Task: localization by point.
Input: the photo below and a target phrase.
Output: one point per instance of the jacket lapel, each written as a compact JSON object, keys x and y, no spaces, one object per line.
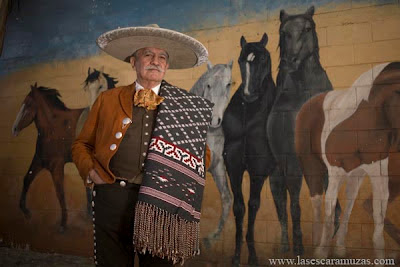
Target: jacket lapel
{"x":126,"y":99}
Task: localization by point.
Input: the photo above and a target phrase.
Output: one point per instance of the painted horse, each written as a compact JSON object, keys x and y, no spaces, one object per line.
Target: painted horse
{"x":96,"y":82}
{"x":56,"y":132}
{"x":300,"y":77}
{"x":246,"y":145}
{"x":215,"y":85}
{"x":56,"y":126}
{"x":353,"y":133}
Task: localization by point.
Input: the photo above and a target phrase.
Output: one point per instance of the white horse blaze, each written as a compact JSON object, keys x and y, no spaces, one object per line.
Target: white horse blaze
{"x":250,"y":58}
{"x":18,"y":119}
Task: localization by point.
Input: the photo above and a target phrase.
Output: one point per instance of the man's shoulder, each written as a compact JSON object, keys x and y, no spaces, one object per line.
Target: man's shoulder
{"x":185,"y":93}
{"x":115,"y":92}
{"x":176,"y":88}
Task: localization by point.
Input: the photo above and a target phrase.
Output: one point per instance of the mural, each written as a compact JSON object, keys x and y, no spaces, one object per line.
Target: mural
{"x":300,"y":76}
{"x":318,"y":98}
{"x":57,"y":126}
{"x":357,"y":133}
{"x":215,"y":85}
{"x":246,"y":146}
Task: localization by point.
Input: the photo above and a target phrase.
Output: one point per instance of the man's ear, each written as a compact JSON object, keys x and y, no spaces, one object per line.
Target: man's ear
{"x":132,"y":60}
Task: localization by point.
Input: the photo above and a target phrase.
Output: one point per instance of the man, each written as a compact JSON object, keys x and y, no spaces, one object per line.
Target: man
{"x":143,"y":148}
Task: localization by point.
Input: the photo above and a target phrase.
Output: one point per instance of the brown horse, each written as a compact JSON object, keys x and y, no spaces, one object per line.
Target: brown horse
{"x":352,"y":133}
{"x":56,"y":132}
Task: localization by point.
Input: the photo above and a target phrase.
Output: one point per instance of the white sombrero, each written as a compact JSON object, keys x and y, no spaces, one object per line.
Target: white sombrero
{"x":183,"y":50}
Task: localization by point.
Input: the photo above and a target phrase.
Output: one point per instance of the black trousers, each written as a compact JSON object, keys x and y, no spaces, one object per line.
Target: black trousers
{"x":113,"y":217}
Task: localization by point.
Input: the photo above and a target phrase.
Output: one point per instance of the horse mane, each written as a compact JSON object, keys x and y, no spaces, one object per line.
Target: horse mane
{"x":53,"y":96}
{"x":111,"y":81}
{"x":197,"y":89}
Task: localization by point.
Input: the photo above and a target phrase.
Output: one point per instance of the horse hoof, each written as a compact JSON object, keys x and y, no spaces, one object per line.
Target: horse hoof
{"x":321,"y":253}
{"x":253,"y":261}
{"x":339,"y":252}
{"x":236,"y":261}
{"x":27,"y":213}
{"x":62,"y":229}
{"x":298,"y":250}
{"x":284,"y":248}
{"x":207,"y":242}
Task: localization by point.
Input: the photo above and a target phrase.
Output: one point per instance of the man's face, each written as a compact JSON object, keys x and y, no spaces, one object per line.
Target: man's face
{"x":150,"y":64}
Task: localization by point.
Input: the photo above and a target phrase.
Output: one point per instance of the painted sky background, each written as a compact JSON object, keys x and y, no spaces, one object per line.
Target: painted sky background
{"x":46,"y":30}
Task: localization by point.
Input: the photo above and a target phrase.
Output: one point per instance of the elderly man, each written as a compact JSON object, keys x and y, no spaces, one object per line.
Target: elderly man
{"x":143,"y":148}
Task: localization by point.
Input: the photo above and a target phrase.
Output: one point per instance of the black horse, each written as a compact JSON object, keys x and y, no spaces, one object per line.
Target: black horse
{"x":300,"y":77}
{"x":246,"y":145}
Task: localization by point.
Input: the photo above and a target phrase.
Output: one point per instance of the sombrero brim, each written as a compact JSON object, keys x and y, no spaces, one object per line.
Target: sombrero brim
{"x":183,"y":50}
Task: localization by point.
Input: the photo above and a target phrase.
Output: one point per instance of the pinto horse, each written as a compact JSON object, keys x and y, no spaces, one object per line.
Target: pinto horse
{"x":353,"y":133}
{"x":246,"y":145}
{"x":300,"y":77}
{"x":215,"y":85}
{"x":56,"y":132}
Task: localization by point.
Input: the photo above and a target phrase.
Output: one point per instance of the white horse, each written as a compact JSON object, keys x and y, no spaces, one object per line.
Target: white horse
{"x":215,"y":85}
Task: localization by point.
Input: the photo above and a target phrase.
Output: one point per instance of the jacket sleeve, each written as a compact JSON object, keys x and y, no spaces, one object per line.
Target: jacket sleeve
{"x":84,"y":145}
{"x":208,"y":157}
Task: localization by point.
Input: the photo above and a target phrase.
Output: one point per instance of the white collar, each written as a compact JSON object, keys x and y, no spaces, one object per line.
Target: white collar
{"x":156,"y":89}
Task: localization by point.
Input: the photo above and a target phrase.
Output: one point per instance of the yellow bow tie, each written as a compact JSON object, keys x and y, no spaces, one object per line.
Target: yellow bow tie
{"x":147,"y":98}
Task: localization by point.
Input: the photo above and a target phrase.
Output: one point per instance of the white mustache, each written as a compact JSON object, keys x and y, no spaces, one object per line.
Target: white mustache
{"x":154,"y":67}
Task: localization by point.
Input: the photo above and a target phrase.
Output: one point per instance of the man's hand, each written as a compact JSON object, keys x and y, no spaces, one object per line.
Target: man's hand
{"x":95,"y":177}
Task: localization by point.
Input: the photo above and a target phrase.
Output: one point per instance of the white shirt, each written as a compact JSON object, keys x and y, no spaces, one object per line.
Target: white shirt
{"x":155,"y":89}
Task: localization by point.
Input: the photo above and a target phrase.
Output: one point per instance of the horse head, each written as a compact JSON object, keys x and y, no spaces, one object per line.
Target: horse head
{"x":215,"y":85}
{"x":255,"y":67}
{"x":27,"y":112}
{"x":297,"y":39}
{"x":96,"y":82}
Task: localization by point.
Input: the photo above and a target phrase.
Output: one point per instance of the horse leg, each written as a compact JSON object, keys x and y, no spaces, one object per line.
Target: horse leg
{"x":219,"y":175}
{"x":352,"y":187}
{"x":278,"y":190}
{"x":256,"y":184}
{"x":338,"y":209}
{"x":57,"y":173}
{"x":34,"y":169}
{"x":315,"y":186}
{"x":394,"y":190}
{"x":335,"y":180}
{"x":380,"y":191}
{"x":236,"y":178}
{"x":293,"y":184}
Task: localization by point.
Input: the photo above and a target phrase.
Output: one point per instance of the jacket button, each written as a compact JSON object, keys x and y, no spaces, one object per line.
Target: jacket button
{"x":122,"y":183}
{"x":113,"y":147}
{"x":126,"y":120}
{"x":118,"y":135}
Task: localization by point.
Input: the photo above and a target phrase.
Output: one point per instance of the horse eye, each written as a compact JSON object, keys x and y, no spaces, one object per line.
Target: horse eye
{"x":208,"y":86}
{"x":308,"y":29}
{"x":228,"y":85}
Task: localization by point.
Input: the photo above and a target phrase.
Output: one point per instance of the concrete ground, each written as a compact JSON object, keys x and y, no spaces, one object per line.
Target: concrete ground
{"x":11,"y":257}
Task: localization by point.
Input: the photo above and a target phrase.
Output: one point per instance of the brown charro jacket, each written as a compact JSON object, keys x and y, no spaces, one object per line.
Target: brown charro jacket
{"x":98,"y":140}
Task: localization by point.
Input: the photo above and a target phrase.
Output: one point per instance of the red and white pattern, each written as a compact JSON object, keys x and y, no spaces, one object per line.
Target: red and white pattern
{"x":172,"y":151}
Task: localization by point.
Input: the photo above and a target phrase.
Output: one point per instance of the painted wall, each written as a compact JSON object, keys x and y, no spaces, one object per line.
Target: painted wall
{"x":53,"y":44}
